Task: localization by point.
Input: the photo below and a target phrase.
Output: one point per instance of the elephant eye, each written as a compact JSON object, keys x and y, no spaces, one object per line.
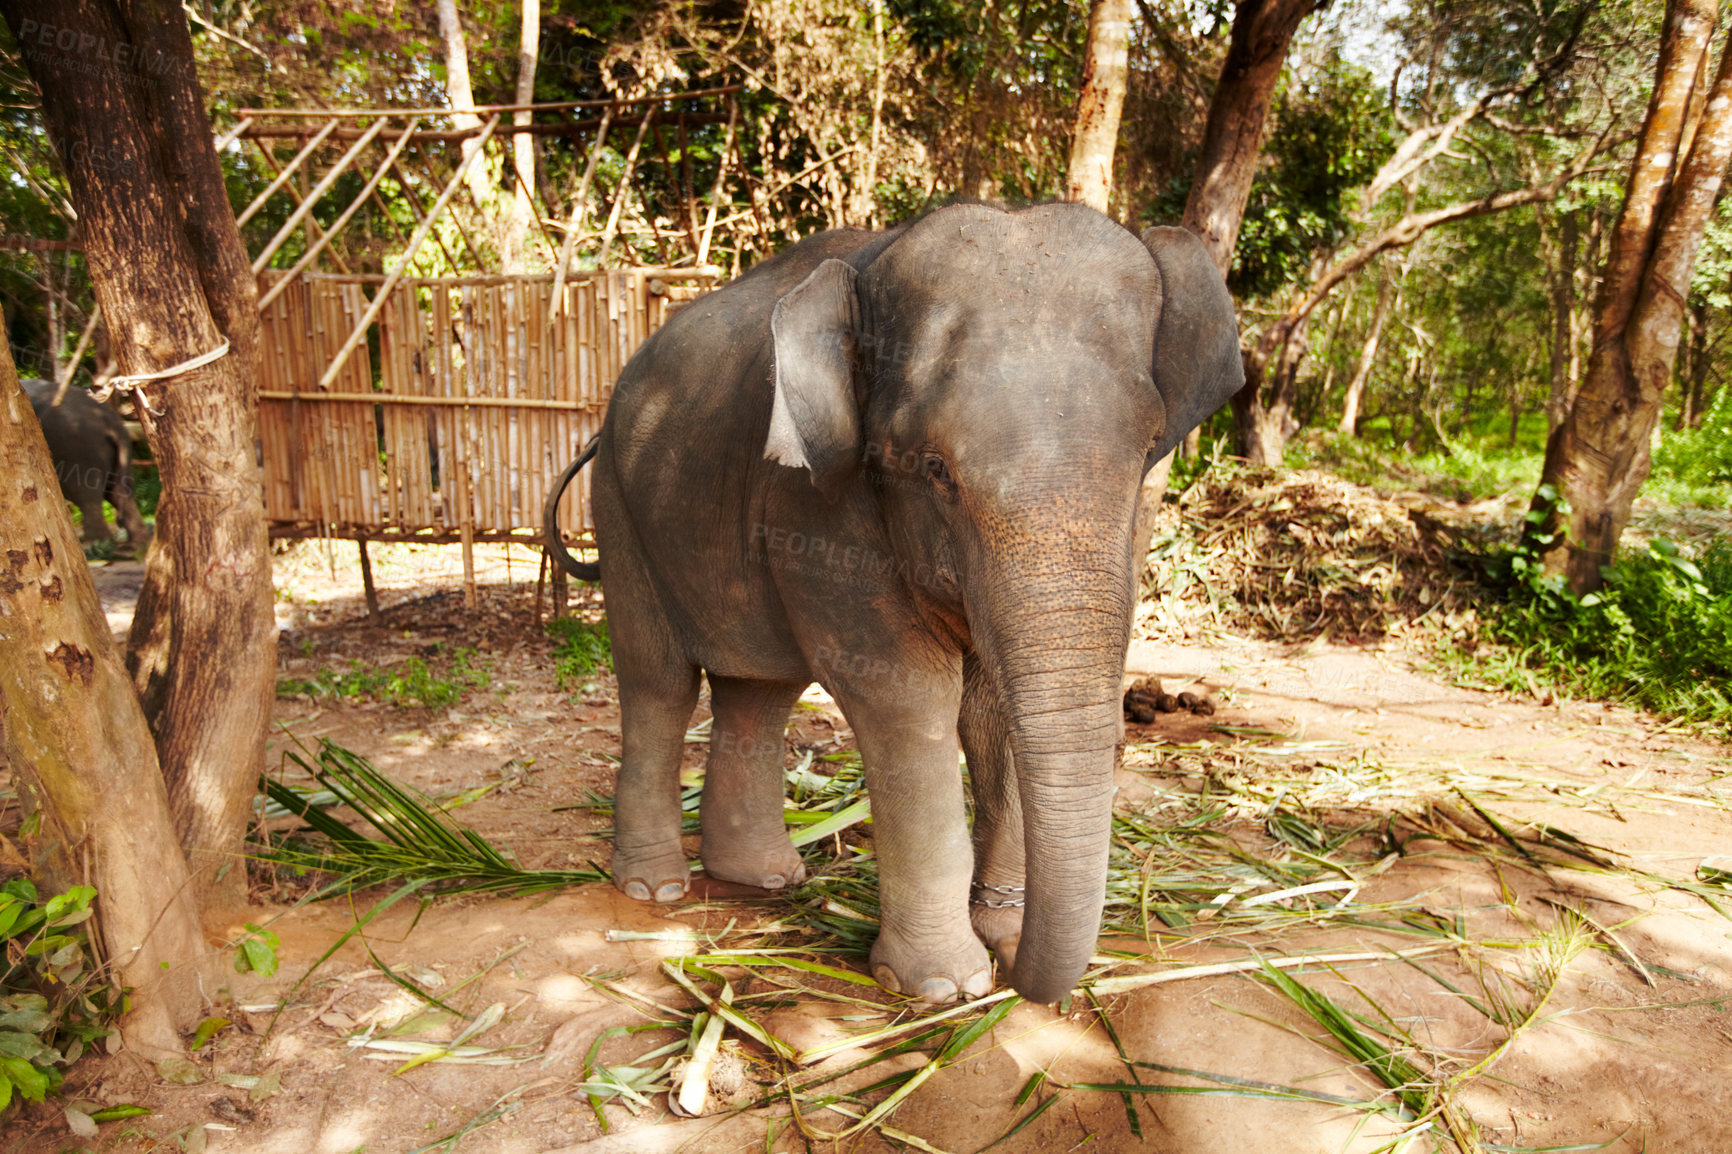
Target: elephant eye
{"x":938,"y":472}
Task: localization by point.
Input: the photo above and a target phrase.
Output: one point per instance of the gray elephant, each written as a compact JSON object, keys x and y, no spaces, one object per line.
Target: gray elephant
{"x":92,"y":454}
{"x":904,"y":465}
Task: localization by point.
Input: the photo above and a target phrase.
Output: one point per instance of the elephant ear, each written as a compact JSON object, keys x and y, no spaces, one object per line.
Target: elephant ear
{"x":814,"y":420}
{"x":1196,"y":357}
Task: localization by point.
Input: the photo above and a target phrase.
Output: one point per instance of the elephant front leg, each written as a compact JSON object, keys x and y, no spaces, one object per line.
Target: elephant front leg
{"x":926,"y":947}
{"x":996,"y":901}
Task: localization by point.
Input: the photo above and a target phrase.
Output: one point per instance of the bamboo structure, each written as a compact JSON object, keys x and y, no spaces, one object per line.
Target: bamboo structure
{"x":438,"y":400}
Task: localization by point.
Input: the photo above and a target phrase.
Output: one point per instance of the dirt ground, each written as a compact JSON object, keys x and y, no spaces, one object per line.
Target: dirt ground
{"x":1624,"y":1041}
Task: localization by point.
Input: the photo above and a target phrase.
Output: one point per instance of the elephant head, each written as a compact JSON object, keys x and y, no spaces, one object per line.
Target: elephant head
{"x":1001,"y":381}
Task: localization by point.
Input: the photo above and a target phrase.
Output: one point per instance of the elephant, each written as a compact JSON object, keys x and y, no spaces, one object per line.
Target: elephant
{"x":904,"y":465}
{"x":92,"y":454}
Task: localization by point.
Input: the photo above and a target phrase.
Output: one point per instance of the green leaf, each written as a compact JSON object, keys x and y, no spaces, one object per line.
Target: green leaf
{"x":208,"y":1029}
{"x":260,"y":957}
{"x":16,"y":1045}
{"x":31,"y":1082}
{"x":116,"y":1113}
{"x":179,"y":1071}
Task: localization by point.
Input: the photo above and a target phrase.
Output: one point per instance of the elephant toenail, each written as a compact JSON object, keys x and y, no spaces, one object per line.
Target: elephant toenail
{"x":636,"y":889}
{"x":671,"y":892}
{"x":979,"y":984}
{"x":937,"y":990}
{"x":799,"y":874}
{"x":887,"y":978}
{"x":774,"y":882}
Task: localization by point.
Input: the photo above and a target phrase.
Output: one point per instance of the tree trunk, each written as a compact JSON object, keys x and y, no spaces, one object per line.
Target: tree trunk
{"x":1598,"y":458}
{"x":173,"y":283}
{"x":1102,"y":103}
{"x":1233,"y":134}
{"x":523,"y":144}
{"x":1695,"y":379}
{"x":1367,"y":360}
{"x":1561,"y":286}
{"x":81,"y":749}
{"x":461,"y":94}
{"x":1090,"y":181}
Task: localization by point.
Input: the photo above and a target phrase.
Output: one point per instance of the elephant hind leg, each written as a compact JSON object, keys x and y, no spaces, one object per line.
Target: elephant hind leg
{"x":95,"y":524}
{"x":745,"y":837}
{"x":126,"y":512}
{"x":648,"y":862}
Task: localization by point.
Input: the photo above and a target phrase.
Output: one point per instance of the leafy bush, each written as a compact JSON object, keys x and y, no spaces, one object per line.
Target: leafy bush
{"x":1695,"y":465}
{"x":1658,"y":634}
{"x":53,"y":1001}
{"x":579,"y":649}
{"x":408,"y":683}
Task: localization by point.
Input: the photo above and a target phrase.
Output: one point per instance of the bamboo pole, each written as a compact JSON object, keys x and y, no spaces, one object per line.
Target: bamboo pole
{"x":415,"y":242}
{"x":721,"y":176}
{"x":233,"y":134}
{"x":623,"y":191}
{"x":283,"y":175}
{"x":263,"y":260}
{"x":414,"y":204}
{"x":311,"y":223}
{"x":459,"y":402}
{"x":367,"y":590}
{"x":577,"y":204}
{"x":312,"y":252}
{"x":458,"y":135}
{"x":609,"y":102}
{"x":662,"y":272}
{"x":456,"y":219}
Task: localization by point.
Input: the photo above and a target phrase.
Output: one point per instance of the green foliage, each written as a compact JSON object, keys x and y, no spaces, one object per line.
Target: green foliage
{"x":579,"y":649}
{"x":257,"y":951}
{"x":405,"y":685}
{"x":1657,"y":635}
{"x":1330,"y":136}
{"x":54,"y":1002}
{"x":1696,"y":464}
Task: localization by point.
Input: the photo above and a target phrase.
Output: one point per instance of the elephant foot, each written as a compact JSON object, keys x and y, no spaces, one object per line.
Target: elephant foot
{"x":932,"y":972}
{"x":1000,"y":927}
{"x":763,"y":864}
{"x":658,"y":875}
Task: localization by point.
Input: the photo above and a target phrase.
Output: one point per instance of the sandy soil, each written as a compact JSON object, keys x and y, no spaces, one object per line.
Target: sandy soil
{"x":1630,"y":1050}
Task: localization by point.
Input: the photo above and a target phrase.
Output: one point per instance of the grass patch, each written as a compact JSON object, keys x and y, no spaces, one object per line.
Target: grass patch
{"x":405,"y":684}
{"x":580,"y":648}
{"x":1657,"y":636}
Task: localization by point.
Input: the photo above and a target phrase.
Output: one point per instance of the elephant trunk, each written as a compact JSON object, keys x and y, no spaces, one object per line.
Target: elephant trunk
{"x":1057,"y":646}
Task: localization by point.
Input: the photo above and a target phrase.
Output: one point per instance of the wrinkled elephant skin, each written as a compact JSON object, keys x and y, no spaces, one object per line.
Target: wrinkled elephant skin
{"x":905,"y":465}
{"x":92,"y":454}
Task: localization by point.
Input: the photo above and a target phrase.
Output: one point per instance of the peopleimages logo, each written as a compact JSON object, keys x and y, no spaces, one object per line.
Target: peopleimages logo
{"x":857,"y":565}
{"x":91,"y":55}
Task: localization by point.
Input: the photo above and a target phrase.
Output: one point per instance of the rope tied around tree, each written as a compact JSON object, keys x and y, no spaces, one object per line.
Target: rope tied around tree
{"x":135,"y":381}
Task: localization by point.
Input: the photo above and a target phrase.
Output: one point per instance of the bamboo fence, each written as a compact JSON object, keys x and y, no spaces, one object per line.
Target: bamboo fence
{"x":481,"y":394}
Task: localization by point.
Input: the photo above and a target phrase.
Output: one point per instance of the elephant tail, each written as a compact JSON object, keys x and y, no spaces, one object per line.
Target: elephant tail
{"x":582,"y":570}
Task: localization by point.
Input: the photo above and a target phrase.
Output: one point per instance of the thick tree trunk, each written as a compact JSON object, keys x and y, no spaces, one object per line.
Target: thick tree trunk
{"x":1105,"y":73}
{"x":1367,"y":359}
{"x":1232,"y":141}
{"x":1233,"y":134}
{"x":79,"y":744}
{"x":173,"y":283}
{"x":1598,"y":458}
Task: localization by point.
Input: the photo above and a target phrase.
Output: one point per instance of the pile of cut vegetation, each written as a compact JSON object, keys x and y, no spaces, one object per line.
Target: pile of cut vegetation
{"x":1300,"y":555}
